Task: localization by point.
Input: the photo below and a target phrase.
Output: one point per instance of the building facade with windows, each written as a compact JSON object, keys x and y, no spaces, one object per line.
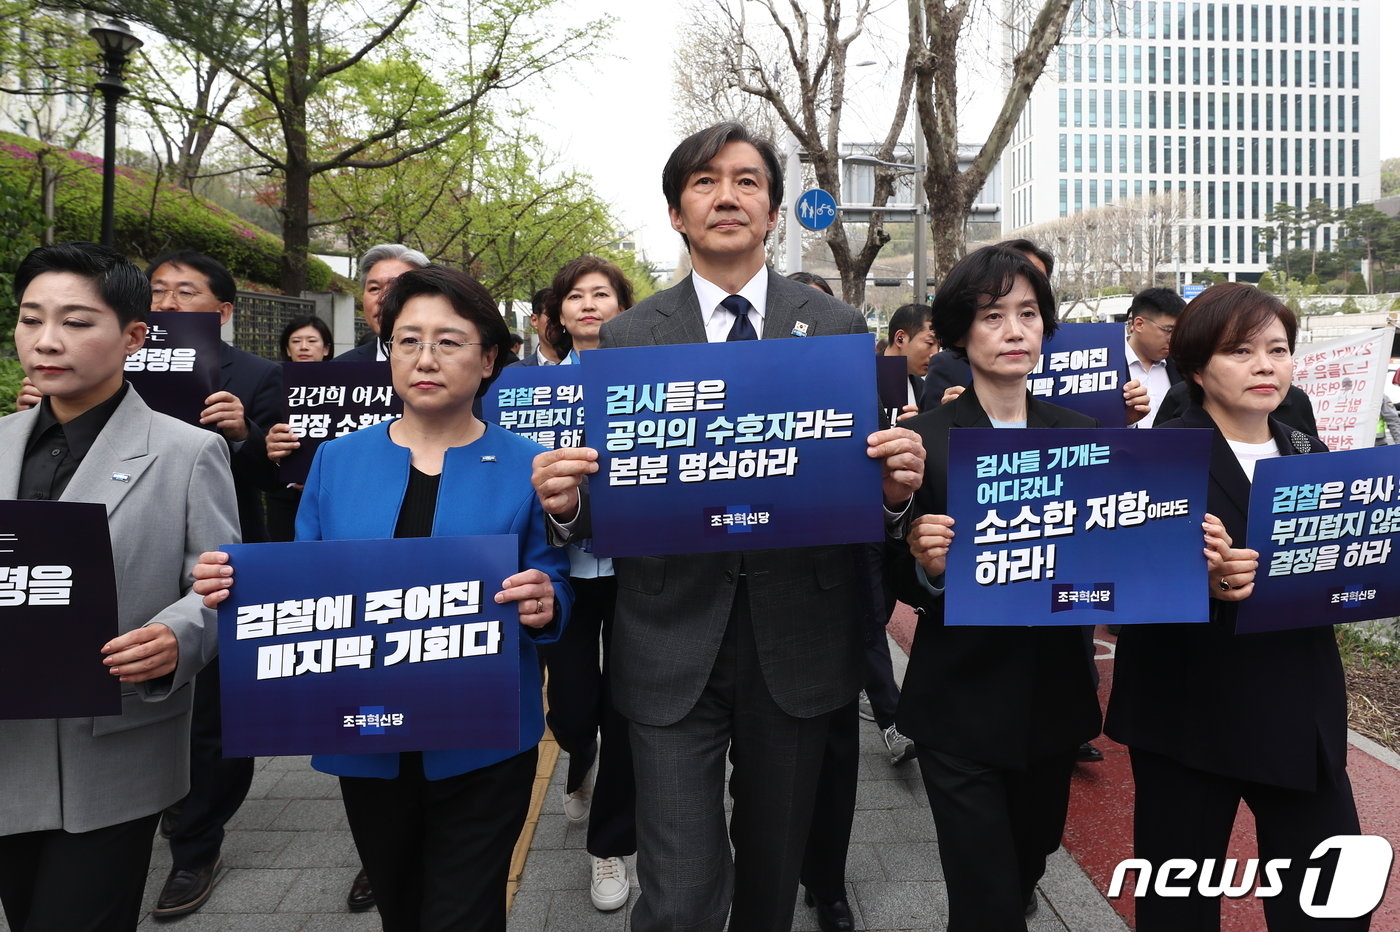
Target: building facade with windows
{"x":1230,"y":107}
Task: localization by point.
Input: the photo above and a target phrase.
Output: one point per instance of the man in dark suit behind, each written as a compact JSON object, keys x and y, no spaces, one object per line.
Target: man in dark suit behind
{"x":741,"y":653}
{"x":378,"y":269}
{"x":247,"y":404}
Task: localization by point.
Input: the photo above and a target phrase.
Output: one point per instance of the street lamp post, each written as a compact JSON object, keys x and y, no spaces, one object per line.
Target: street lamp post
{"x":117,"y":42}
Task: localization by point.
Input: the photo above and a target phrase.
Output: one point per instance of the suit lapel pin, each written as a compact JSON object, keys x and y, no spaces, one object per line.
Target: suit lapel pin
{"x":121,"y":477}
{"x":488,"y":459}
{"x":799,"y":329}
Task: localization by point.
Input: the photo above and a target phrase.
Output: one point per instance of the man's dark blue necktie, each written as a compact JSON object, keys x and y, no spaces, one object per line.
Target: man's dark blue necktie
{"x":739,"y":306}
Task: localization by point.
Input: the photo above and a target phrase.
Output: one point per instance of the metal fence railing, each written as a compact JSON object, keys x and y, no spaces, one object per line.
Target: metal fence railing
{"x":258,"y":320}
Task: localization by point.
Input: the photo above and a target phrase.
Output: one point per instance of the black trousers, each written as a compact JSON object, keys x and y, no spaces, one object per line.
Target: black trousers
{"x":1181,"y":812}
{"x":996,"y":826}
{"x":580,"y":706}
{"x":437,"y":852}
{"x":218,"y":785}
{"x":689,"y":881}
{"x":824,"y":861}
{"x":60,"y":881}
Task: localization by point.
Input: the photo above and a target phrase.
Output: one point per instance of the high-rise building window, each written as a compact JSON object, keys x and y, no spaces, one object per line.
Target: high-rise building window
{"x":1196,"y":22}
{"x":1268,"y":68}
{"x":1196,"y":66}
{"x":1064,"y":152}
{"x":1355,"y":26}
{"x":1064,"y":198}
{"x":1210,"y":22}
{"x":1151,"y":66}
{"x":1137,"y":19}
{"x":1137,"y":64}
{"x":1123,"y":109}
{"x":1064,"y":107}
{"x":1151,"y":19}
{"x":1253,"y":23}
{"x":1093,"y":66}
{"x":1152,"y":155}
{"x":1326,"y":159}
{"x":1093,"y":153}
{"x":1137,"y":155}
{"x":1123,"y":64}
{"x":1326,"y":69}
{"x":1063,"y":58}
{"x":1093,"y":108}
{"x":1327,"y":114}
{"x":1078,"y":152}
{"x":1078,"y":107}
{"x":1180,"y":109}
{"x":1123,"y":154}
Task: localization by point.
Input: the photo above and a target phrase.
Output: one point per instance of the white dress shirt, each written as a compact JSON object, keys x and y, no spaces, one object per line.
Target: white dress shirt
{"x":719,"y":319}
{"x":1155,"y":379}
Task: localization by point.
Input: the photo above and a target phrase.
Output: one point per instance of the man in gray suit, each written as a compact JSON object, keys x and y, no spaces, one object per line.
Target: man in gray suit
{"x":744,"y":653}
{"x":80,"y":797}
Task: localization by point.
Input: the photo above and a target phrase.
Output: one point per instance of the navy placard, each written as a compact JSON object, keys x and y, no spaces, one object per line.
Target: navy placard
{"x":58,"y":606}
{"x":367,"y":646}
{"x":1327,"y":529}
{"x":1066,"y":527}
{"x":326,"y":400}
{"x":1083,"y":367}
{"x":543,"y":403}
{"x":178,"y":366}
{"x":732,"y":446}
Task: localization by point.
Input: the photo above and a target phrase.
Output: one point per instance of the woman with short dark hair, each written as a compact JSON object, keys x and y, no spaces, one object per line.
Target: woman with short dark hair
{"x":306,"y":339}
{"x":997,"y":713}
{"x":1211,"y":717}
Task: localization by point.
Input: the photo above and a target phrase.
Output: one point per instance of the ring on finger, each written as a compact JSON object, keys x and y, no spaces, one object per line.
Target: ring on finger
{"x":539,"y":606}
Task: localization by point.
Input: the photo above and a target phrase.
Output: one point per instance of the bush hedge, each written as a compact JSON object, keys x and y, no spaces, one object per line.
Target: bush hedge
{"x":152,"y":215}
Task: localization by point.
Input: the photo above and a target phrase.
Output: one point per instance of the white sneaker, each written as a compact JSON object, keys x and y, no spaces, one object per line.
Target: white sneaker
{"x":901,"y":748}
{"x":609,"y":889}
{"x":577,"y":803}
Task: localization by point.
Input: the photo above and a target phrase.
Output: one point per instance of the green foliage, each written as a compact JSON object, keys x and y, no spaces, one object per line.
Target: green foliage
{"x":21,"y":226}
{"x":1356,"y":284}
{"x":1390,"y":177}
{"x":1267,"y":283}
{"x":1312,"y":282}
{"x":152,"y":216}
{"x":10,"y":377}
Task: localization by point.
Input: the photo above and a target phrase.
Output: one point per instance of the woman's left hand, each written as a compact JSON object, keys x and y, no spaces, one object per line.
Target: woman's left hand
{"x":1136,"y":401}
{"x":533,"y":594}
{"x":142,"y":654}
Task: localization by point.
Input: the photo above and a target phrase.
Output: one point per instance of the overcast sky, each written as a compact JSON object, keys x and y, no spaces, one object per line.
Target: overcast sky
{"x":611,"y":117}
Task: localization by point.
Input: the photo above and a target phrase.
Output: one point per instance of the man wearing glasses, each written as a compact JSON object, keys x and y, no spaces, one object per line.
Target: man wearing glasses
{"x":1151,"y":320}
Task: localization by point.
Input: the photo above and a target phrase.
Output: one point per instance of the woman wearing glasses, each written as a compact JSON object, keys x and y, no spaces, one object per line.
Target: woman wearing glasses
{"x":435,"y":829}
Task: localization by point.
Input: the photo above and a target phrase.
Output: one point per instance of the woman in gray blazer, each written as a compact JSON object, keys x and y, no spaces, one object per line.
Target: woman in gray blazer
{"x":80,"y":797}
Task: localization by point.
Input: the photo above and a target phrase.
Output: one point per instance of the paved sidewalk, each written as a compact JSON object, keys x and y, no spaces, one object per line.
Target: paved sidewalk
{"x":893,"y":875}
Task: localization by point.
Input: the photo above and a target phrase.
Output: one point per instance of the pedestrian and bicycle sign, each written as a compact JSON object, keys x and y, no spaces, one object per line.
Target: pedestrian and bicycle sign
{"x":816,"y":209}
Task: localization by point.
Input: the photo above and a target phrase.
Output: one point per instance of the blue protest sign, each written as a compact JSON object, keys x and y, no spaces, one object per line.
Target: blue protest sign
{"x":58,"y":606}
{"x":1327,"y":529}
{"x":364,"y":646}
{"x":178,"y":367}
{"x":816,"y":209}
{"x":543,"y":403}
{"x":1083,"y":367}
{"x":326,"y":400}
{"x":732,"y":446}
{"x":1076,"y":527}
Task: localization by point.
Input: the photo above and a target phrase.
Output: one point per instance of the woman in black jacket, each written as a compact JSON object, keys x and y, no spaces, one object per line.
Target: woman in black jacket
{"x":1212,"y":717}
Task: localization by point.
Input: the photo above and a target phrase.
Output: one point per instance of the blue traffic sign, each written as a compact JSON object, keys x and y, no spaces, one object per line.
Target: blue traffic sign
{"x":1190,"y":291}
{"x":816,"y":209}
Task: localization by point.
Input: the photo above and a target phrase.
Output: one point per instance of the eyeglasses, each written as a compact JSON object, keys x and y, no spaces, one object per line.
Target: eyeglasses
{"x":409,"y":347}
{"x":1168,"y":330}
{"x":182,"y":297}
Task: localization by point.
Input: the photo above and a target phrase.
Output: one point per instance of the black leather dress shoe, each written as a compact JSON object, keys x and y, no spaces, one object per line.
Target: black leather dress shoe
{"x":361,"y":895}
{"x":185,"y":891}
{"x":834,"y":916}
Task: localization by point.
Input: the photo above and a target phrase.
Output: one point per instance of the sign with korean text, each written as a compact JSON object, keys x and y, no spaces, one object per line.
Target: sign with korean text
{"x":1327,"y":529}
{"x":58,"y":606}
{"x":543,"y":403}
{"x":326,"y":400}
{"x":364,"y":646}
{"x":732,"y":446}
{"x":1076,"y":527}
{"x":178,"y":366}
{"x":1345,"y":381}
{"x":1083,"y":368}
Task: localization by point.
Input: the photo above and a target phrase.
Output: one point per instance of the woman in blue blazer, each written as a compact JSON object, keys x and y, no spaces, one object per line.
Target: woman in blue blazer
{"x":435,"y":829}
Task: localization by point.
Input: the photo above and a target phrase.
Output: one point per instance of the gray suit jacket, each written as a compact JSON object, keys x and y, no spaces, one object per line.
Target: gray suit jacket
{"x":672,"y":610}
{"x":80,"y":774}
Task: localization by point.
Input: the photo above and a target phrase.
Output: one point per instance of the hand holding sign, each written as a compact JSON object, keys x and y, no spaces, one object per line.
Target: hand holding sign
{"x":145,"y":653}
{"x":556,"y":476}
{"x":901,"y":453}
{"x":1230,"y":569}
{"x":533,"y":594}
{"x":281,"y":441}
{"x":224,"y":411}
{"x":213,"y":577}
{"x":929,"y":538}
{"x":1136,"y":401}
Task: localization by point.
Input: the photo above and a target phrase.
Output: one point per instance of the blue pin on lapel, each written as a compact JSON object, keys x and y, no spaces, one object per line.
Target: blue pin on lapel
{"x":799,"y":329}
{"x":121,"y":477}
